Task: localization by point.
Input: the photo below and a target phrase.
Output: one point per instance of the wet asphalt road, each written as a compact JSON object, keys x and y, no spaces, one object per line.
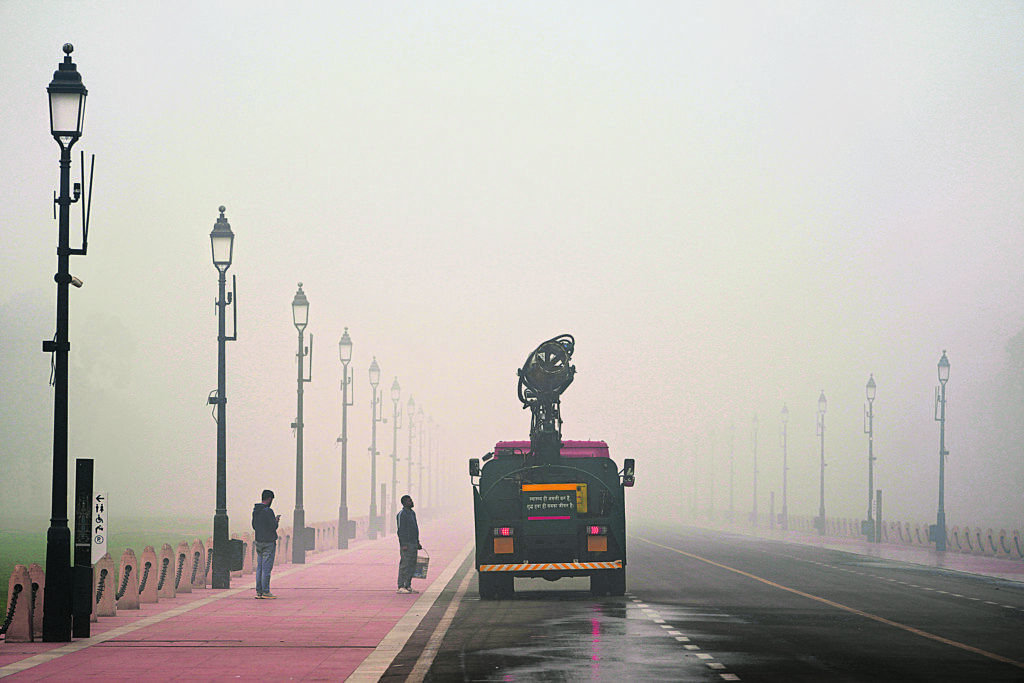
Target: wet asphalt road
{"x":709,"y":607}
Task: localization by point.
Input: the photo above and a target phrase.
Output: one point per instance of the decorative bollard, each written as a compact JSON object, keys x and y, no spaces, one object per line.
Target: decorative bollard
{"x":128,"y":587}
{"x":38,"y":576}
{"x":198,"y":564}
{"x":18,"y":617}
{"x":250,"y":548}
{"x":106,"y":604}
{"x":165,"y":577}
{"x":182,"y":584}
{"x":150,"y":576}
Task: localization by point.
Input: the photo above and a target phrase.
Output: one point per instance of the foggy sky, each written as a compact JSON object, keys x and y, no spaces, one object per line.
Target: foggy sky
{"x":731,"y":206}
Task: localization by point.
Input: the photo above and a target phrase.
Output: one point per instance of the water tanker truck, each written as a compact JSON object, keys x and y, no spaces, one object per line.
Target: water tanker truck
{"x":546,"y":507}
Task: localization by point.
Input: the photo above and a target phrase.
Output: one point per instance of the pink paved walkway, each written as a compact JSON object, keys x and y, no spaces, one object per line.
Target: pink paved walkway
{"x":331,"y":615}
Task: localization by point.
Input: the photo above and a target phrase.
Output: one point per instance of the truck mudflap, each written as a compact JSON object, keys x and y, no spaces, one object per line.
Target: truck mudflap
{"x":550,"y":566}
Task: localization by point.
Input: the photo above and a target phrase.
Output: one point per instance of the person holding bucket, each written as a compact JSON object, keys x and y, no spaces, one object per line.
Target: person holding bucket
{"x":408,"y":544}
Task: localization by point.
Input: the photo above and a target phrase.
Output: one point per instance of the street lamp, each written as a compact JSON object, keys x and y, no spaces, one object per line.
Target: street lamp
{"x":222,"y":242}
{"x":822,"y":406}
{"x":396,"y":416}
{"x":67,"y":112}
{"x":785,"y":467}
{"x":411,"y":410}
{"x":345,"y":354}
{"x":375,"y":417}
{"x":300,"y":316}
{"x":939,"y":532}
{"x":753,"y":515}
{"x":732,"y":462}
{"x":869,"y":429}
{"x":419,"y":463}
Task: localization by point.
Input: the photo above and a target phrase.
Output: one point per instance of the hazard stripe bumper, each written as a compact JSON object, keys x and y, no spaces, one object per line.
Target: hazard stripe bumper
{"x":550,"y":566}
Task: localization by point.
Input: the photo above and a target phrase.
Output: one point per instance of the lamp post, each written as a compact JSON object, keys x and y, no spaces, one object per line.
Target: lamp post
{"x":939,"y":534}
{"x":732,"y":471}
{"x":419,"y":476}
{"x":67,"y":110}
{"x":345,"y":354}
{"x":822,"y":406}
{"x":411,"y":409}
{"x":396,"y":416}
{"x":300,"y":316}
{"x":753,"y":515}
{"x":869,"y":429}
{"x":222,"y":242}
{"x":375,"y":417}
{"x":785,"y":467}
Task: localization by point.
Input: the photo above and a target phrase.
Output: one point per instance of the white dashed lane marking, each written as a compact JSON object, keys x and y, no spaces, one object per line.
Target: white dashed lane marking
{"x":656,"y":618}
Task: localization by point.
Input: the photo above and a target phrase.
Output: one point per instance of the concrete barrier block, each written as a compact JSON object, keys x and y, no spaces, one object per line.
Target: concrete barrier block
{"x":19,"y":594}
{"x":165,"y":575}
{"x":182,"y":584}
{"x":1004,"y":544}
{"x":981,"y":545}
{"x":128,"y":585}
{"x":38,"y":576}
{"x":198,"y":564}
{"x":106,"y":587}
{"x":150,"y":576}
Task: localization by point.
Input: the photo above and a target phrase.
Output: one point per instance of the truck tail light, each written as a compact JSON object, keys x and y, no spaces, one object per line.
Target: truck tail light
{"x":597,"y":531}
{"x":502,"y":531}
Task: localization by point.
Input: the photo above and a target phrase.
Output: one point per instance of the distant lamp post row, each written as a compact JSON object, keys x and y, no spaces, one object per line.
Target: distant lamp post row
{"x":822,"y":406}
{"x":300,"y":317}
{"x":938,"y":532}
{"x":345,"y":354}
{"x":222,"y":246}
{"x":67,"y":112}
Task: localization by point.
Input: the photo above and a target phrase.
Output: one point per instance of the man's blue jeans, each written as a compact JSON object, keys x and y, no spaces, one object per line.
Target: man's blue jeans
{"x":265,"y":551}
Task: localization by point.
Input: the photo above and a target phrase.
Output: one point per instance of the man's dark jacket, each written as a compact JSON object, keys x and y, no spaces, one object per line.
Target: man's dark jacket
{"x":264,"y":521}
{"x":408,"y":530}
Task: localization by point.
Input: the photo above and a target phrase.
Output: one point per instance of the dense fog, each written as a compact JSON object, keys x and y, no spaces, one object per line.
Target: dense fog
{"x":733,"y":207}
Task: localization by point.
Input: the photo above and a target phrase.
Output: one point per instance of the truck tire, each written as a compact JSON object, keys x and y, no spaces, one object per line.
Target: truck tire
{"x":617,"y":582}
{"x":488,"y":586}
{"x":506,"y":586}
{"x":599,"y":583}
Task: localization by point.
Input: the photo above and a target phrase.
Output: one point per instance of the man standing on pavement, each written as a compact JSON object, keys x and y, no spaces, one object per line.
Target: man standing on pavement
{"x":408,"y":544}
{"x":265,"y":522}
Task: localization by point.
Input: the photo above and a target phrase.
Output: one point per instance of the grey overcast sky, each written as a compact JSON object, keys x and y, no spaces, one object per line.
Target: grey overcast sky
{"x":732,"y":206}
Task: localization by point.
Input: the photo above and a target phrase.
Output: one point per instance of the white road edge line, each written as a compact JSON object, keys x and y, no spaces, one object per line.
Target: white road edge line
{"x":374,"y":666}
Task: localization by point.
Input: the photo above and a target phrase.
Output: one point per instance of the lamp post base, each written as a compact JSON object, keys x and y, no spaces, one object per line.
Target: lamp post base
{"x":299,"y":537}
{"x":57,"y":606}
{"x":343,"y":527}
{"x":221,"y":562}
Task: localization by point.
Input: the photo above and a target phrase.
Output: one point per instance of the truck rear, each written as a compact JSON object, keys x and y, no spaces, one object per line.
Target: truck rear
{"x":547,"y":508}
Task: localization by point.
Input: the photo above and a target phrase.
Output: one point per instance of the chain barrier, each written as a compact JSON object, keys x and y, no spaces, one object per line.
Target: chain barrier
{"x":195,"y":566}
{"x":145,"y":575}
{"x":181,"y":566}
{"x":100,"y":585}
{"x":10,"y":610}
{"x":35,"y":592}
{"x":124,"y":582}
{"x":209,"y":561}
{"x":163,"y":573}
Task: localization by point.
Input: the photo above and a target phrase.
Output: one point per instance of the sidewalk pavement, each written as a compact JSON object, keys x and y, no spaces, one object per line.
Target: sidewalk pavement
{"x":982,"y":565}
{"x":334,"y":617}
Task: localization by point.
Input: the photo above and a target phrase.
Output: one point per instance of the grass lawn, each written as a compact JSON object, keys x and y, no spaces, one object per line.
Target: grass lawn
{"x":22,"y":547}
